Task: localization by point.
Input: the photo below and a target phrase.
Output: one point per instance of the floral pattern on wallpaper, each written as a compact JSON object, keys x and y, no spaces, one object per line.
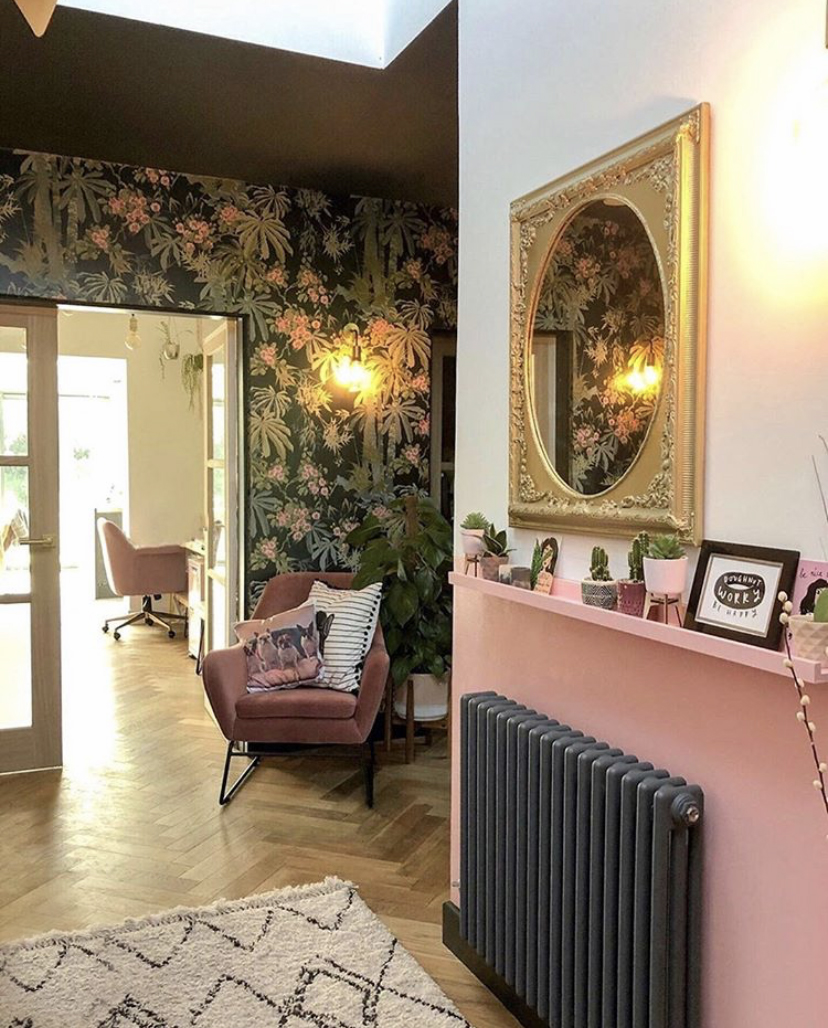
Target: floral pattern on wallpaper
{"x":299,"y":265}
{"x":603,"y":286}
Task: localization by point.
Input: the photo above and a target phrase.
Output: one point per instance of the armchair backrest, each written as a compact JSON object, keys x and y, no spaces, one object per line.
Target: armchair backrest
{"x":118,"y":555}
{"x":291,"y":590}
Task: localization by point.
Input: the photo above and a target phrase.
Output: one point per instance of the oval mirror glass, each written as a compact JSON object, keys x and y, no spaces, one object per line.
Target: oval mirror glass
{"x":597,"y":347}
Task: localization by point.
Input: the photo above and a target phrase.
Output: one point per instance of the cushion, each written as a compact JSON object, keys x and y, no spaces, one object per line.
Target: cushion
{"x":347,"y":620}
{"x":282,"y":651}
{"x":316,"y":703}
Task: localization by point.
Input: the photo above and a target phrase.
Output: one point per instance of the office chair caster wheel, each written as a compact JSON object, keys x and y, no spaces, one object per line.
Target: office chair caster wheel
{"x":116,"y":636}
{"x":171,"y":634}
{"x":105,"y":629}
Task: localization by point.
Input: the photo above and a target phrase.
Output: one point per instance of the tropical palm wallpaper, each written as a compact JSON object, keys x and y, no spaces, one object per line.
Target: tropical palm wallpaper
{"x":602,"y":290}
{"x":299,"y":266}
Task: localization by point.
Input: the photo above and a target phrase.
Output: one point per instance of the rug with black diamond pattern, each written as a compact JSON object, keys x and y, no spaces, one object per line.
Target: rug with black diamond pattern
{"x":310,"y":957}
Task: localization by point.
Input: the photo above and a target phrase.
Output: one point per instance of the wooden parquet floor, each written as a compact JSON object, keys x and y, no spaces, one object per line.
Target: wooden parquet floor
{"x":132,"y":825}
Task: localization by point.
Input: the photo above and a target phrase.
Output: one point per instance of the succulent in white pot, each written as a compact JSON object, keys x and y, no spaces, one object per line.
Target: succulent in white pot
{"x":600,"y":589}
{"x":472,"y":529}
{"x":810,"y":631}
{"x":665,"y":566}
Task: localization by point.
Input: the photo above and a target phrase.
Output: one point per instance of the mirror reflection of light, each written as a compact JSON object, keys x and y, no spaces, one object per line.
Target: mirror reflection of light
{"x":643,"y":379}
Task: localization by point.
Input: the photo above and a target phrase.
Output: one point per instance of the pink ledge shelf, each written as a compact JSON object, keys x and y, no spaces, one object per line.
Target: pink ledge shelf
{"x":564,"y":602}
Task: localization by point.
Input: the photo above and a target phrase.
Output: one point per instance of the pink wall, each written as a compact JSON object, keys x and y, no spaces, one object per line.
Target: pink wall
{"x":729,"y":728}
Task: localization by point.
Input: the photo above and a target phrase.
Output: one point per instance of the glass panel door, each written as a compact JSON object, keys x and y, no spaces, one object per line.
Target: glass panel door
{"x":221,"y":477}
{"x":30,"y":708}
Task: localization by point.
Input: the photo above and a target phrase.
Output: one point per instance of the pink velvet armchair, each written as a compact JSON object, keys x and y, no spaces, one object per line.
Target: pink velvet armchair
{"x":304,"y":716}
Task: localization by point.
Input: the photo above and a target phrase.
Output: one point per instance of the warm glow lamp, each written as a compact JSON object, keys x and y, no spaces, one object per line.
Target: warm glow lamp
{"x":349,"y":371}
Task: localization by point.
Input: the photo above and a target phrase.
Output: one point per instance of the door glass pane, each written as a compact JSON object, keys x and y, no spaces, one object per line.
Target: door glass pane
{"x":219,"y":533}
{"x":218,"y":615}
{"x":14,"y":526}
{"x":217,"y":413}
{"x":16,"y":665}
{"x":14,"y":389}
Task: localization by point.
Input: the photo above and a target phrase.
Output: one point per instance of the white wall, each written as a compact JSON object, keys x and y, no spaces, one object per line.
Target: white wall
{"x":546,"y":85}
{"x":166,"y":445}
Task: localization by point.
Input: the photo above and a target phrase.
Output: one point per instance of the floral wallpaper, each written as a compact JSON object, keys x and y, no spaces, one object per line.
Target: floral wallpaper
{"x":299,"y":266}
{"x":603,"y":286}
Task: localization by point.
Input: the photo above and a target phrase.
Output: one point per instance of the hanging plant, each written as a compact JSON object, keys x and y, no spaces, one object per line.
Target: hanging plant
{"x":192,"y":367}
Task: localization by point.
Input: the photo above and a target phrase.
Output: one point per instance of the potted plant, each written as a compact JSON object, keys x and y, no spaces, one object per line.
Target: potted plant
{"x":599,"y":590}
{"x":631,"y":591}
{"x":410,"y":552}
{"x":810,"y":631}
{"x":665,"y":566}
{"x":472,"y":530}
{"x":495,"y":553}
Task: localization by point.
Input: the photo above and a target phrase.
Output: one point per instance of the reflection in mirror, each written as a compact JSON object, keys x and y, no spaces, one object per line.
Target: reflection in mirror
{"x":597,"y":349}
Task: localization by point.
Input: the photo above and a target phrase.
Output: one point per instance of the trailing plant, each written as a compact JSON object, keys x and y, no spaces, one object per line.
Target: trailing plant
{"x":536,"y":566}
{"x":599,"y":570}
{"x":666,"y":547}
{"x":410,"y":552}
{"x":635,"y":558}
{"x":495,"y":542}
{"x":475,"y":521}
{"x":192,"y":368}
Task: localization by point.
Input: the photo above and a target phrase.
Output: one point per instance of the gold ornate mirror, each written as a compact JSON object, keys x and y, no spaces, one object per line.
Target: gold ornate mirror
{"x":607,"y":340}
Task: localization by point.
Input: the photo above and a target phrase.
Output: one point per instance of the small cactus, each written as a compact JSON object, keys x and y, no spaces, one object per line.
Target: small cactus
{"x":639,"y":550}
{"x":475,"y":521}
{"x":599,"y":565}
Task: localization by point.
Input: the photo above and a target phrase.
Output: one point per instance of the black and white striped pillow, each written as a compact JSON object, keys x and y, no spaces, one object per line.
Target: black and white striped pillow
{"x":347,"y":619}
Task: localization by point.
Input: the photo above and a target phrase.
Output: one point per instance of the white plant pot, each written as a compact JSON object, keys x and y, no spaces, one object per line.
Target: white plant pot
{"x":810,"y":638}
{"x":665,"y":577}
{"x":472,"y":540}
{"x":430,"y":698}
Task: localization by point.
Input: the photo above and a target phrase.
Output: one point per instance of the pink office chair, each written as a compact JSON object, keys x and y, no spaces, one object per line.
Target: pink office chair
{"x":147,"y":571}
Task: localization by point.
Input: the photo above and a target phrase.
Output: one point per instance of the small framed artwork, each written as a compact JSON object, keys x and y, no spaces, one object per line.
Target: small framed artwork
{"x":811,"y":579}
{"x":736,"y":590}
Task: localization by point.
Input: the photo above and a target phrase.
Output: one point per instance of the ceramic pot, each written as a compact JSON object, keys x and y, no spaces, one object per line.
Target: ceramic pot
{"x":430,"y":698}
{"x":472,"y":541}
{"x":490,"y":566}
{"x":599,"y":594}
{"x":810,"y":638}
{"x":631,"y":597}
{"x":665,"y":577}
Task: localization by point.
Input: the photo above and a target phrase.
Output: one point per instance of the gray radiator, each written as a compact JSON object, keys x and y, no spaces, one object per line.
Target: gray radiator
{"x":580,"y":873}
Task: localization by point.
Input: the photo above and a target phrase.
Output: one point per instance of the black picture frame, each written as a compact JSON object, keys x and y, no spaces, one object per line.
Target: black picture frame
{"x":707,"y":592}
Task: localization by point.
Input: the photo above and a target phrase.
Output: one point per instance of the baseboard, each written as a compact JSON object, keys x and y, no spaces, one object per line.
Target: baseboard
{"x":496,"y":984}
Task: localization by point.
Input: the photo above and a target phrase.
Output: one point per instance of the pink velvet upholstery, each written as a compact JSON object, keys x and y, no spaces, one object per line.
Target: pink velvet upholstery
{"x":305,"y":715}
{"x":141,"y":570}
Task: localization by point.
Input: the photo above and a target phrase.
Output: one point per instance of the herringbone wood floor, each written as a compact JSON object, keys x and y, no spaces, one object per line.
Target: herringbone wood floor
{"x":132,"y":825}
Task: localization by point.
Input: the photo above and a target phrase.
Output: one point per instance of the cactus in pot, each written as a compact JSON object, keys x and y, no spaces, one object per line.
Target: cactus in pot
{"x":632,"y":592}
{"x":599,"y":589}
{"x":472,"y":529}
{"x":665,"y":566}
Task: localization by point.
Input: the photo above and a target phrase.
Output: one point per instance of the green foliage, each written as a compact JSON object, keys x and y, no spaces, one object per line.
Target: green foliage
{"x":821,"y":606}
{"x":599,"y":570}
{"x":410,"y":552}
{"x":475,"y":520}
{"x":635,"y":558}
{"x":537,"y":564}
{"x":495,"y":542}
{"x":666,"y":547}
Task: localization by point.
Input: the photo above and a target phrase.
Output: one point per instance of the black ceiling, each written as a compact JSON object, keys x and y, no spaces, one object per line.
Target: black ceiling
{"x":125,"y":91}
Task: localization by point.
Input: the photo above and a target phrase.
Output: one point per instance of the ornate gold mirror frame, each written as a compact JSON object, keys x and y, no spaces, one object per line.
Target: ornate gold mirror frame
{"x":662,"y":176}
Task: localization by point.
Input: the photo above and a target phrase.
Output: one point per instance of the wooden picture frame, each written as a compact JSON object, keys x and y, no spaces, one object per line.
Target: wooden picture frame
{"x":735,"y":593}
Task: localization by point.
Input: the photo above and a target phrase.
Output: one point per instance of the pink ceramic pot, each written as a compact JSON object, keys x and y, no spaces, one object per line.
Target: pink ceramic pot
{"x":631,"y":597}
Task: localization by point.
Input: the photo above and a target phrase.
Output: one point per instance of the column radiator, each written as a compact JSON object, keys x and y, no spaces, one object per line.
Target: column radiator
{"x":580,"y":872}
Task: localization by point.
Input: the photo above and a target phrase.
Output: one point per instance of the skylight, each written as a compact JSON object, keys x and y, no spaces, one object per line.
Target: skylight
{"x":368,"y":32}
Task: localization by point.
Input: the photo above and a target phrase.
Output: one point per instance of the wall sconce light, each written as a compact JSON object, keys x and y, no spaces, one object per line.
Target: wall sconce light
{"x":349,"y":371}
{"x":133,"y":340}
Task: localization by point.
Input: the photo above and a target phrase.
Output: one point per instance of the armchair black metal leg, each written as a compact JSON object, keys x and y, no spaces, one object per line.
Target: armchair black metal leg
{"x":368,"y":765}
{"x":224,"y":795}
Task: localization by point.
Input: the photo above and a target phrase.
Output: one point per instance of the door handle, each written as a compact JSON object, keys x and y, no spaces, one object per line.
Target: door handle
{"x":46,"y":543}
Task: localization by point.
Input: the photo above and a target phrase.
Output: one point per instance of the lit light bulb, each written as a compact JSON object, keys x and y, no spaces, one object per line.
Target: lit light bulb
{"x":133,"y":340}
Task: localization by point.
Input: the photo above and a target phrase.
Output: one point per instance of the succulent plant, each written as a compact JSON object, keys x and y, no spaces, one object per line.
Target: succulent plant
{"x":599,"y":565}
{"x":635,"y":558}
{"x":475,"y":521}
{"x":666,"y":547}
{"x":495,"y":542}
{"x":821,"y":606}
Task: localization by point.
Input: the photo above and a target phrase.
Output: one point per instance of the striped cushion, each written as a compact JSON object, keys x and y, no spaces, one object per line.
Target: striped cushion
{"x":347,"y":620}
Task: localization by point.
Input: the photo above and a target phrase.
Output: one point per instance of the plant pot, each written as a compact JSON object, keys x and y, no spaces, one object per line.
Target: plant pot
{"x":810,"y":638}
{"x":665,"y":577}
{"x":430,"y":698}
{"x":599,"y":594}
{"x":490,"y":567}
{"x":472,"y":541}
{"x":631,"y":597}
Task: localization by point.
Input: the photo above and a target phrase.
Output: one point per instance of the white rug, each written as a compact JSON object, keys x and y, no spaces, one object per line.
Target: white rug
{"x":311,"y":957}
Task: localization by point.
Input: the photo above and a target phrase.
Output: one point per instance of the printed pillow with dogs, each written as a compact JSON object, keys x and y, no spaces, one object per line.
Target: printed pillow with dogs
{"x":282,"y":651}
{"x":347,"y":620}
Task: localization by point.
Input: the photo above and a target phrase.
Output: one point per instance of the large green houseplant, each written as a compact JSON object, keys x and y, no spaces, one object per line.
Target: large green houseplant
{"x":409,"y":550}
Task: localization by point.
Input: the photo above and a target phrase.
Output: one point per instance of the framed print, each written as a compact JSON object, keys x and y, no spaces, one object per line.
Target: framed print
{"x":736,"y":590}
